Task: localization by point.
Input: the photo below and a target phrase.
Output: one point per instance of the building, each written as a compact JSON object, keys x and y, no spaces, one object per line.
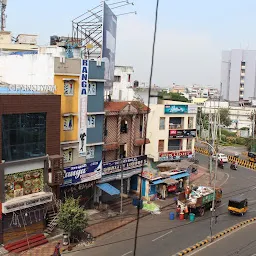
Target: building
{"x":29,"y":146}
{"x":80,"y":84}
{"x":238,"y":75}
{"x":124,"y":133}
{"x":171,"y":130}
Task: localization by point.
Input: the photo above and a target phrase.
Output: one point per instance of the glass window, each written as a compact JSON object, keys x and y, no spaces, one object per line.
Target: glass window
{"x":117,"y":79}
{"x":124,"y":126}
{"x":162,"y":123}
{"x":23,"y":136}
{"x":69,"y":88}
{"x":68,"y":155}
{"x":68,"y":123}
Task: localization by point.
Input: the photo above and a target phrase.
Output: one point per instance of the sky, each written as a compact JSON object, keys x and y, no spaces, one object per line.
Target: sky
{"x":190,"y":34}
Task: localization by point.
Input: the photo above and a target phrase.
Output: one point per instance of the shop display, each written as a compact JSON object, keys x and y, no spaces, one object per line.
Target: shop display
{"x":23,"y":183}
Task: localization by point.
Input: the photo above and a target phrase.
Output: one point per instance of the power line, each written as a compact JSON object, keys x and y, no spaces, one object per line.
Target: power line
{"x":145,"y":132}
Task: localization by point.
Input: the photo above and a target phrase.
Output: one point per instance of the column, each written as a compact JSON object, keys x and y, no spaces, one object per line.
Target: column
{"x":184,"y":144}
{"x":185,"y":122}
{"x":131,"y":151}
{"x":128,"y":185}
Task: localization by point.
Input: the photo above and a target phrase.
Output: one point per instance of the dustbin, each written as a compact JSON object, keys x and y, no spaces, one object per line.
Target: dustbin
{"x":172,"y":216}
{"x":192,"y":217}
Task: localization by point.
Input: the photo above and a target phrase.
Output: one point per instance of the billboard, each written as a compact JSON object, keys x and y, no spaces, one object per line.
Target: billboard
{"x":109,"y":44}
{"x":180,"y":109}
{"x":82,"y":173}
{"x":83,"y":107}
{"x":174,"y":155}
{"x":180,"y":134}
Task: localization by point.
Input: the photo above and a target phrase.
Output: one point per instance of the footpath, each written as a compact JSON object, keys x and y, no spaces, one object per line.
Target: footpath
{"x":101,"y":223}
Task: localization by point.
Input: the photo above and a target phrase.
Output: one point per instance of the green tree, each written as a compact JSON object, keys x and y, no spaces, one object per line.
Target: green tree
{"x":224,"y":117}
{"x":172,"y":96}
{"x":72,"y":218}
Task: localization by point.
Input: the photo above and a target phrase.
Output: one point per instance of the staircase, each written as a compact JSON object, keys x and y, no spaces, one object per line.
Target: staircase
{"x":52,"y":221}
{"x":26,"y":244}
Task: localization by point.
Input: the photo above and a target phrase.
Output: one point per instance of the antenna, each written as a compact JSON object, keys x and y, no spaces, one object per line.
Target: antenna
{"x":3,"y":4}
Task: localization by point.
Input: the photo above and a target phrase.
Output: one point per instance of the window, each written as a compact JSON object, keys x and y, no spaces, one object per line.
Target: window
{"x":162,"y":123}
{"x":90,"y":152}
{"x":174,"y":145}
{"x":160,"y":145}
{"x":242,"y":70}
{"x":129,"y":77}
{"x":243,"y":63}
{"x":117,"y":79}
{"x":68,"y":155}
{"x":124,"y":126}
{"x":68,"y":123}
{"x":23,"y":136}
{"x":91,"y":122}
{"x":123,"y":151}
{"x":69,"y":87}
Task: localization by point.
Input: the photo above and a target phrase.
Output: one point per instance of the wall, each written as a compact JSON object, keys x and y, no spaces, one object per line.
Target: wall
{"x":94,"y":104}
{"x":30,"y":69}
{"x":95,"y":135}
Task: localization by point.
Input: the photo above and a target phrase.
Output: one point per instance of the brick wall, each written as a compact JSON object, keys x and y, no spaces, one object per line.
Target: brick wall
{"x":112,"y":129}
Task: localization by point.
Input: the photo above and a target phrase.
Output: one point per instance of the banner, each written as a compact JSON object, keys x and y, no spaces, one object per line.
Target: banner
{"x":83,"y":107}
{"x":109,"y":44}
{"x":128,"y":164}
{"x":174,"y":155}
{"x":180,"y":109}
{"x":82,"y":173}
{"x":179,"y":134}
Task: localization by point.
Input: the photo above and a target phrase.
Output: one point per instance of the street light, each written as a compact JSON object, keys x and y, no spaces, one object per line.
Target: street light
{"x":214,"y":186}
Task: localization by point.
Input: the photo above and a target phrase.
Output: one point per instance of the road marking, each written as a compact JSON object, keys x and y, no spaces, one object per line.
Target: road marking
{"x":222,"y":205}
{"x":161,"y":236}
{"x":225,"y":180}
{"x":252,"y":188}
{"x":126,"y":253}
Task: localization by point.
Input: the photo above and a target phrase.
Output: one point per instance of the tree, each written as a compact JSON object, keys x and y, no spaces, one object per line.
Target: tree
{"x":172,"y":96}
{"x":224,"y":117}
{"x":72,"y":218}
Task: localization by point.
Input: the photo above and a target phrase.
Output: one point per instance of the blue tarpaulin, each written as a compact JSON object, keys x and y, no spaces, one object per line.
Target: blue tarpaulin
{"x":108,"y":189}
{"x":180,"y":175}
{"x":157,"y":182}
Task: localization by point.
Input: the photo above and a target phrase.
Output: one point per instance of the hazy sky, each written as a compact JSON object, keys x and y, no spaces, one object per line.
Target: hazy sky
{"x":191,"y":33}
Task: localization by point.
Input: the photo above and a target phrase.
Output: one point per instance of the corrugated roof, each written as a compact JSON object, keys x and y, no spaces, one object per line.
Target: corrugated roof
{"x":116,"y":106}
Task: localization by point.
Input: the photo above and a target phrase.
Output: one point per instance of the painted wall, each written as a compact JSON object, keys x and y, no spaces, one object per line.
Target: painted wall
{"x":95,"y":135}
{"x":96,"y":103}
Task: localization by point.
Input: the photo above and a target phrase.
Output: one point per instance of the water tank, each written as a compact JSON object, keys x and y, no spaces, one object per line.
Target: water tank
{"x":136,"y":83}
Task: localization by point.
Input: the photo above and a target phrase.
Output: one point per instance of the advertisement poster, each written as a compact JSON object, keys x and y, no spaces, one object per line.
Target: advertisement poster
{"x":174,"y":155}
{"x":179,"y":134}
{"x":180,"y":109}
{"x":109,"y":44}
{"x":128,"y":164}
{"x":82,"y":173}
{"x":83,"y":107}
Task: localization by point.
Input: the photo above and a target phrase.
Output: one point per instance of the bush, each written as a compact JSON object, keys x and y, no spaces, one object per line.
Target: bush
{"x":240,"y":141}
{"x":228,"y":133}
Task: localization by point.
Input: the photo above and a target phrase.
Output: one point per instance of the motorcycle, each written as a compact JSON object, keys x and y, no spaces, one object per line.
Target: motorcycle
{"x":221,"y":165}
{"x":233,"y":167}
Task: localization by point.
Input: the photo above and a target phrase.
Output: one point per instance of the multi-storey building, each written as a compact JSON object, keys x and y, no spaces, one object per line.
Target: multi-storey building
{"x":238,"y":75}
{"x":171,"y":130}
{"x":124,"y":137}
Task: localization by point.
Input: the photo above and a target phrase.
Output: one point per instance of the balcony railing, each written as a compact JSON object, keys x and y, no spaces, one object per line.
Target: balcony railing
{"x":175,"y":126}
{"x":170,"y":148}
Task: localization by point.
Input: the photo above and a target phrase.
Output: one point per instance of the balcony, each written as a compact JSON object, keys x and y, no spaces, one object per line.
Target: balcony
{"x":175,"y":126}
{"x":170,"y":148}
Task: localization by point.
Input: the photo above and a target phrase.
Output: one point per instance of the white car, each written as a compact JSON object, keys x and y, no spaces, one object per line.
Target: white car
{"x":220,"y":156}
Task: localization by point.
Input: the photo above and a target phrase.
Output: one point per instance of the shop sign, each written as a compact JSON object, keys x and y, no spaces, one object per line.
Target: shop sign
{"x":128,"y":164}
{"x":180,"y":109}
{"x":79,"y":187}
{"x":82,"y":173}
{"x":83,"y":107}
{"x":172,"y":155}
{"x":179,"y":134}
{"x":32,"y":88}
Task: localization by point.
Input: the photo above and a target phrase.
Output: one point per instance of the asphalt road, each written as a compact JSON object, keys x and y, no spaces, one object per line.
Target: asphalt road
{"x":160,"y":236}
{"x":241,"y":242}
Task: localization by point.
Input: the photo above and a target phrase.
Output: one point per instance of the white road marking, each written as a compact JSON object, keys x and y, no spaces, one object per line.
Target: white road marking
{"x":222,"y":205}
{"x":126,"y":253}
{"x":161,"y":236}
{"x":225,"y":180}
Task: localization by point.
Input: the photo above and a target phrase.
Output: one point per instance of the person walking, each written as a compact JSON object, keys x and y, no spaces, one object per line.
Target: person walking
{"x":57,"y":250}
{"x":186,"y":212}
{"x":178,"y":209}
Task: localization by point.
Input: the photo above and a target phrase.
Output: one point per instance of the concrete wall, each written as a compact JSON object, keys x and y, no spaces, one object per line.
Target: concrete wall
{"x":95,"y":135}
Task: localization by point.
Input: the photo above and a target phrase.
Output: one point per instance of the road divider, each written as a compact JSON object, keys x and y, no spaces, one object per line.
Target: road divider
{"x":240,"y":162}
{"x":217,"y":236}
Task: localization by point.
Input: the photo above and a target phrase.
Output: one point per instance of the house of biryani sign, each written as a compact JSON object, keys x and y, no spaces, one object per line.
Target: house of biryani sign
{"x":32,"y":88}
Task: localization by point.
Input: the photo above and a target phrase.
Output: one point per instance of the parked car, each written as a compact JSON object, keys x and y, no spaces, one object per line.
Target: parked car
{"x":220,"y":156}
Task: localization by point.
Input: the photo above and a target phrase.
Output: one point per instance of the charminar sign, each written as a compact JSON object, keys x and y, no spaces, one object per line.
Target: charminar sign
{"x":32,"y":88}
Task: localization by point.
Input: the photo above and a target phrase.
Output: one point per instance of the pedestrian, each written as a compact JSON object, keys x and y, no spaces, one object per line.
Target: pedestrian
{"x":186,"y":212}
{"x":187,"y":192}
{"x":57,"y":250}
{"x":175,"y":201}
{"x":178,"y":209}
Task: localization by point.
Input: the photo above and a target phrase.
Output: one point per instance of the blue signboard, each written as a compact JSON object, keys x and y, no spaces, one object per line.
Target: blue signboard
{"x":176,"y":109}
{"x":128,"y":164}
{"x":82,"y":173}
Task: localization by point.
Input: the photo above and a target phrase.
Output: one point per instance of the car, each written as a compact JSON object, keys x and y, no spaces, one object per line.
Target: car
{"x":220,"y":156}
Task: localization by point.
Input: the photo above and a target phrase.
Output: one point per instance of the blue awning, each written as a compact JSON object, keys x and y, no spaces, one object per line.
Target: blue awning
{"x":180,"y":175}
{"x":108,"y":189}
{"x":157,"y":182}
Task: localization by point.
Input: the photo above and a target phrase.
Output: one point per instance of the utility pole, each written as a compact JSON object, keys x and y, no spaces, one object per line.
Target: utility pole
{"x":122,"y":184}
{"x":253,"y":130}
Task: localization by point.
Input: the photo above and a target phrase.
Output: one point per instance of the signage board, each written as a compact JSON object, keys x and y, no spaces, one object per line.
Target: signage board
{"x":31,"y":88}
{"x":173,"y":155}
{"x":180,"y":109}
{"x":128,"y":164}
{"x":83,"y":107}
{"x":179,"y":134}
{"x":82,"y":173}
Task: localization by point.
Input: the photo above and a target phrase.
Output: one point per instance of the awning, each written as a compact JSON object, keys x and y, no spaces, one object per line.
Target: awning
{"x":180,"y":175}
{"x":157,"y":182}
{"x":108,"y":189}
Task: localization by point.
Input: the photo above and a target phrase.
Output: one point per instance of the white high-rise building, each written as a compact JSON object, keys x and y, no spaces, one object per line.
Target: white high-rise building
{"x":238,"y":75}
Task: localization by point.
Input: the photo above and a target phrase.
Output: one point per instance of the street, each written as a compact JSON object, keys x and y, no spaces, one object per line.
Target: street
{"x":160,"y":236}
{"x":241,"y":242}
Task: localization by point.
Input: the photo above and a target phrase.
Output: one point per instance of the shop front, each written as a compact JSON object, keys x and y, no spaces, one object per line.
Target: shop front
{"x":80,"y":182}
{"x":113,"y":174}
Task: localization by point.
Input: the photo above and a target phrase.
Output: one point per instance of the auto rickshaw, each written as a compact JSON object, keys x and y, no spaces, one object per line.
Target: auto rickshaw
{"x":238,"y":206}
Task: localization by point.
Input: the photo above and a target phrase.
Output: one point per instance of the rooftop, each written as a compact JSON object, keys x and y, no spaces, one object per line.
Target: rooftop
{"x":116,"y":106}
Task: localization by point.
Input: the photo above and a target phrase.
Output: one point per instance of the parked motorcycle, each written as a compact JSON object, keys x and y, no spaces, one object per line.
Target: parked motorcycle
{"x":233,"y":167}
{"x":221,"y":165}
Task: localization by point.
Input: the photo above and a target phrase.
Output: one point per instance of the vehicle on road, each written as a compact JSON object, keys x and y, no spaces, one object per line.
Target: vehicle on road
{"x":252,"y":157}
{"x":200,"y":199}
{"x":221,"y":164}
{"x":233,"y":167}
{"x":219,"y":157}
{"x":238,"y":206}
